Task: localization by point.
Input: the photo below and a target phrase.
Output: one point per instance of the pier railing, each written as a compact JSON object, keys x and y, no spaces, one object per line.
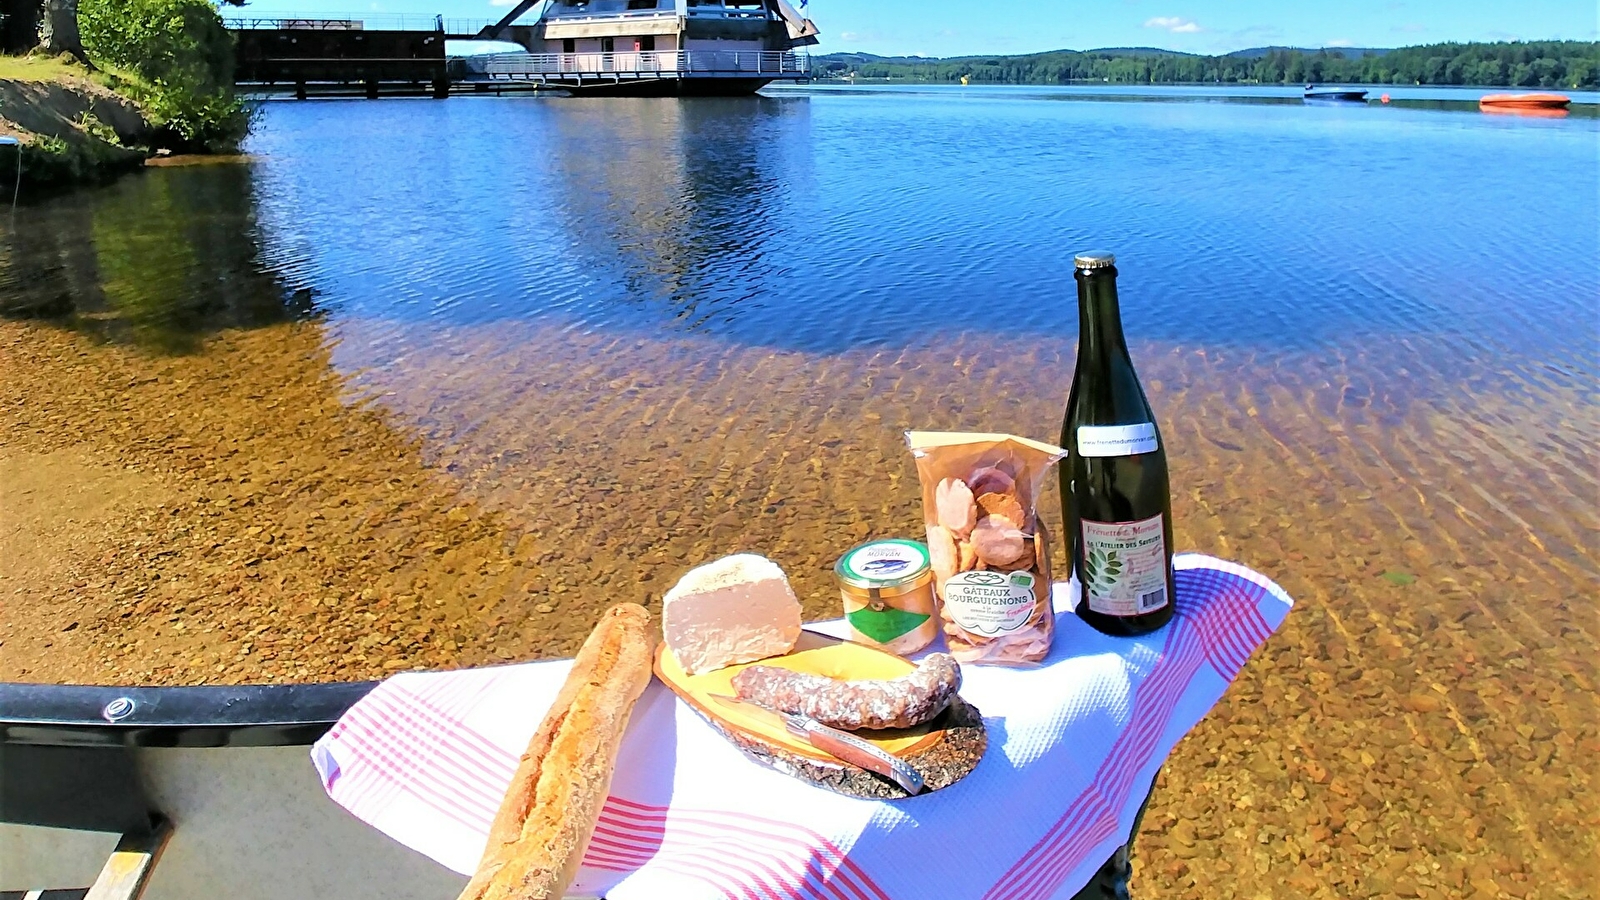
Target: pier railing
{"x":240,"y":20}
{"x":664,"y":63}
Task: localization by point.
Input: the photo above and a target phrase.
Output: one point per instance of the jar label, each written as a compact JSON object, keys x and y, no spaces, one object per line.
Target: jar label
{"x":990,"y":603}
{"x":886,"y":560}
{"x":1125,"y":566}
{"x":886,"y":624}
{"x":1117,"y":440}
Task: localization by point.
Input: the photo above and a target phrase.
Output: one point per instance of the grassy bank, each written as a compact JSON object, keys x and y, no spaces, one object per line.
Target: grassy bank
{"x":161,"y":80}
{"x":36,"y":68}
{"x":73,"y":128}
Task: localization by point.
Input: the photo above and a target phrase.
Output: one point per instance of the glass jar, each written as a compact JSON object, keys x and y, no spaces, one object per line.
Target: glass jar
{"x":887,"y":587}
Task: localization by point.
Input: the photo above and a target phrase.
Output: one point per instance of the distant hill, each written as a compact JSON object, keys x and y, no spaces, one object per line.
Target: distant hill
{"x":1549,"y":64}
{"x":1346,"y":52}
{"x":1136,"y":51}
{"x":869,"y":58}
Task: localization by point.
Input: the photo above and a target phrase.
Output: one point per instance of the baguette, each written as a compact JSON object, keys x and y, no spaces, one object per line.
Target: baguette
{"x":549,"y":812}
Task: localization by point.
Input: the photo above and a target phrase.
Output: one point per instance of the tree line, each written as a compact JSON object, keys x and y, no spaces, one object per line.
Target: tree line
{"x":1531,"y":64}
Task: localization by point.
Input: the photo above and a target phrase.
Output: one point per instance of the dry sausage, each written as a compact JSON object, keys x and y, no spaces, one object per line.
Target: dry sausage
{"x":903,"y":702}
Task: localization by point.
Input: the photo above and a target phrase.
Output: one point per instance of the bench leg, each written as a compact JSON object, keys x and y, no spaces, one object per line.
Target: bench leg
{"x":127,"y":871}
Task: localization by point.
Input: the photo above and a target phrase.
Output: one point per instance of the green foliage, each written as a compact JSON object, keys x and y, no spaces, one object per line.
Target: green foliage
{"x":98,"y":130}
{"x":1549,"y":64}
{"x":182,"y":60}
{"x":50,"y":161}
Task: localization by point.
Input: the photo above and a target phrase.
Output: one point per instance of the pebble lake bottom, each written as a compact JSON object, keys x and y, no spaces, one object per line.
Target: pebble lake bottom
{"x":360,"y":405}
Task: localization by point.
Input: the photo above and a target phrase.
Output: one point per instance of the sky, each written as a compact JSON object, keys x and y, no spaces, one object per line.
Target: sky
{"x":951,"y":28}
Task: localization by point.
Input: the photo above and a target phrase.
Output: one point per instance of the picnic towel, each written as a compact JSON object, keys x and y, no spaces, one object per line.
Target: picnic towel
{"x":1073,"y":747}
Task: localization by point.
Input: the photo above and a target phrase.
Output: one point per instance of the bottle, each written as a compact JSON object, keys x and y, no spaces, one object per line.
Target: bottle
{"x":1114,"y":493}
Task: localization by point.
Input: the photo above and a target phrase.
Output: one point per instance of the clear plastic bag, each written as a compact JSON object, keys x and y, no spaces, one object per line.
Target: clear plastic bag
{"x":989,"y":552}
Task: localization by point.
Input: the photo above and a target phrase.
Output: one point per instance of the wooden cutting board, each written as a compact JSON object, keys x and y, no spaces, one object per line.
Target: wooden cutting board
{"x":943,"y":751}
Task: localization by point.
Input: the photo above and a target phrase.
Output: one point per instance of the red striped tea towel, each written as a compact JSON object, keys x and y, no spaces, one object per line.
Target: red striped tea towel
{"x":1073,"y":746}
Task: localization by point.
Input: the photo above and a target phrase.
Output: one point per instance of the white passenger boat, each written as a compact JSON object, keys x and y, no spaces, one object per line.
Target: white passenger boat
{"x":653,"y":47}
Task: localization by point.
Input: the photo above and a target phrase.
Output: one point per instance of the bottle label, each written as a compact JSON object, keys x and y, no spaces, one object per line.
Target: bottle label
{"x":1117,"y":440}
{"x":1125,"y":566}
{"x":990,"y":603}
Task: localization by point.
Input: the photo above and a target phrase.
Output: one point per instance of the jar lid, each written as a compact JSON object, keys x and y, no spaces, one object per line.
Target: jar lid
{"x":883,"y":564}
{"x":1094,"y":259}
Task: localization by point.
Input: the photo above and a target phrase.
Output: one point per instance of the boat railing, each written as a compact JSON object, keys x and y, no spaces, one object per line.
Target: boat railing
{"x":669,"y":63}
{"x":566,"y":16}
{"x":718,"y":12}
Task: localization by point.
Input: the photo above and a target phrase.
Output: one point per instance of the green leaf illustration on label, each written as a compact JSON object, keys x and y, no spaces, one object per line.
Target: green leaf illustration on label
{"x":1102,"y":568}
{"x":884,"y":625}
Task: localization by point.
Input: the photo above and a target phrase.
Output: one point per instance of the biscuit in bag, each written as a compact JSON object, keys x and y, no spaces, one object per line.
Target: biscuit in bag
{"x":989,"y":552}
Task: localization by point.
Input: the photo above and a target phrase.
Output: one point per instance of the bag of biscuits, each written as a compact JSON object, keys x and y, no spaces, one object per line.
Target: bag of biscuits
{"x":989,"y":552}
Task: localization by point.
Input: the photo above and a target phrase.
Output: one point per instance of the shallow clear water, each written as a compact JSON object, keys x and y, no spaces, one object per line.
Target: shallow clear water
{"x":431,"y":383}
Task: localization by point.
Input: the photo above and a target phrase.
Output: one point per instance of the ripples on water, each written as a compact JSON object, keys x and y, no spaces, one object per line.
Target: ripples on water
{"x":642,"y":333}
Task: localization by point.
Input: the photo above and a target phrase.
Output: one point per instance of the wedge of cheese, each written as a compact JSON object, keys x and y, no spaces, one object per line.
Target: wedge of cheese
{"x":737,"y":609}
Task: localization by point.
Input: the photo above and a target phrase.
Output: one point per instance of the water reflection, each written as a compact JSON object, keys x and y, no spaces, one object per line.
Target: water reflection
{"x":678,"y":202}
{"x":159,"y":261}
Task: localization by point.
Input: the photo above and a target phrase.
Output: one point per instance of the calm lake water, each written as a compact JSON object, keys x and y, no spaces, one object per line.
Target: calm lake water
{"x":432,"y":383}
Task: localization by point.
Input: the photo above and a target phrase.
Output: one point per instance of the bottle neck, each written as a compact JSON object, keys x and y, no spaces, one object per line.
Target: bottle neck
{"x":1099,"y":318}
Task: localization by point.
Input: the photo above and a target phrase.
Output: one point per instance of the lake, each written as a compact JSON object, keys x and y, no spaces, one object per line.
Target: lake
{"x":431,"y":383}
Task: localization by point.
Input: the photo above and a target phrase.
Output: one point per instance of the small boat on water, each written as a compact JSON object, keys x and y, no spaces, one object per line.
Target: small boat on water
{"x":1315,"y":93}
{"x":1524,"y":101}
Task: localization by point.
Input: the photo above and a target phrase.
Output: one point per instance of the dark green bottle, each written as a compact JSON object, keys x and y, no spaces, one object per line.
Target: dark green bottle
{"x":1114,"y":494}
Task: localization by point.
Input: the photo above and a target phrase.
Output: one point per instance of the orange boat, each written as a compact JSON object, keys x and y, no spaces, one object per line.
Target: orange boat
{"x":1524,"y":101}
{"x":1526,"y":112}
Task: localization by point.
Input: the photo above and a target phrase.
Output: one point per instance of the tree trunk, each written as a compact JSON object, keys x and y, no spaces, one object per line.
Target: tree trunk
{"x":60,"y":32}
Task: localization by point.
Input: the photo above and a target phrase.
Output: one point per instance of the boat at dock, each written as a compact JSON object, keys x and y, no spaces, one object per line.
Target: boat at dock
{"x":1524,"y":101}
{"x":652,"y":47}
{"x":1340,"y":94}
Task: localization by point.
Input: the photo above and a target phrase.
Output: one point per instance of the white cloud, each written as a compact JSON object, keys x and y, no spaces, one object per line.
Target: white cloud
{"x":1340,"y":42}
{"x":849,"y":36}
{"x":1174,"y":24}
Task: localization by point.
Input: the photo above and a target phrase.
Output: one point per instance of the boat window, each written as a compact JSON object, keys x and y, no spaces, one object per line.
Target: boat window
{"x":641,"y":4}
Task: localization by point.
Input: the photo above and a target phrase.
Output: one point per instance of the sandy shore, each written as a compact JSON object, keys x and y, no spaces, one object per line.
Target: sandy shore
{"x":207,"y":521}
